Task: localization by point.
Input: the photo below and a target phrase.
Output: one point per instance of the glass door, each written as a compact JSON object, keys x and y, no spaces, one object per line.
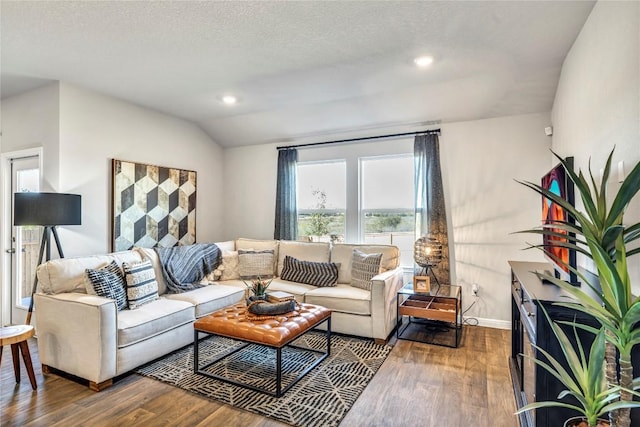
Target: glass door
{"x":25,"y":240}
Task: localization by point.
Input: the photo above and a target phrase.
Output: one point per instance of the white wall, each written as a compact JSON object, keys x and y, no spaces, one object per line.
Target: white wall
{"x":31,"y":120}
{"x":92,"y":129}
{"x":597,"y":103}
{"x":480,"y":161}
{"x":250,"y":191}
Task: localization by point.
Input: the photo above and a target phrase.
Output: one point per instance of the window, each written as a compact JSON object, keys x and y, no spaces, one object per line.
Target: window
{"x":322,"y":200}
{"x":386,"y":203}
{"x":369,"y":194}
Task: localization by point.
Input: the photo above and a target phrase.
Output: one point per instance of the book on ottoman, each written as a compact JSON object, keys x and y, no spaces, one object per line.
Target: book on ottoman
{"x":279,"y":296}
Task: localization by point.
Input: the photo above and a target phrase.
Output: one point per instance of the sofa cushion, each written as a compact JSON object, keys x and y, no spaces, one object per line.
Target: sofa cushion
{"x":152,"y":319}
{"x":296,"y":289}
{"x":342,"y":253}
{"x":254,"y":264}
{"x":229,"y":245}
{"x":69,"y":275}
{"x":363,"y":268}
{"x":142,"y":287}
{"x":210,"y":298}
{"x":236,"y":283}
{"x":341,"y":298}
{"x":108,"y":282}
{"x":312,"y":273}
{"x":260,"y":245}
{"x":317,"y":252}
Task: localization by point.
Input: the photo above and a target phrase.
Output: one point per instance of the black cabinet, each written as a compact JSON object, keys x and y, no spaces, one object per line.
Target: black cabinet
{"x":529,"y":326}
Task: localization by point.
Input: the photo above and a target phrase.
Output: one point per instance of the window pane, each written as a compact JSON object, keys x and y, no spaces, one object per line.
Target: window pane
{"x":27,"y":239}
{"x":387,"y":203}
{"x":322,"y":200}
{"x":387,"y":182}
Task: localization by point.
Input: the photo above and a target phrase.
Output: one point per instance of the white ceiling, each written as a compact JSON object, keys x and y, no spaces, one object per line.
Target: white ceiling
{"x":301,"y":70}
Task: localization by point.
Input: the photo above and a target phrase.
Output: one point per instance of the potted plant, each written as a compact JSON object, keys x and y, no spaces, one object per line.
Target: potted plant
{"x":258,"y":287}
{"x":585,"y":380}
{"x":600,"y":234}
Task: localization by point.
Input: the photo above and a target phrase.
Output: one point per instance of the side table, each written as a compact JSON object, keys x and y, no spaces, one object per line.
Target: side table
{"x":17,"y":337}
{"x":434,"y":317}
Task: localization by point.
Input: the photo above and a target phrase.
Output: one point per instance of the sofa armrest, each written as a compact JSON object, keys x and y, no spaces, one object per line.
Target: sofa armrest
{"x":384,"y":293}
{"x":77,"y":333}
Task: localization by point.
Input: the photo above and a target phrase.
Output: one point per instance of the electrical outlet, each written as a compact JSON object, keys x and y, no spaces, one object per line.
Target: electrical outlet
{"x":474,"y":289}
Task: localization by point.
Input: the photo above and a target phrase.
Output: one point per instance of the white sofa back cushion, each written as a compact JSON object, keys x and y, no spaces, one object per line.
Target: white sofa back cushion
{"x":68,"y":274}
{"x":316,"y":252}
{"x":229,"y":245}
{"x":342,"y":253}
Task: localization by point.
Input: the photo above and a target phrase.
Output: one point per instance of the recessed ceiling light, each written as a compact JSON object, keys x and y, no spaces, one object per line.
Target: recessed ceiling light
{"x":229,"y":99}
{"x":423,"y":61}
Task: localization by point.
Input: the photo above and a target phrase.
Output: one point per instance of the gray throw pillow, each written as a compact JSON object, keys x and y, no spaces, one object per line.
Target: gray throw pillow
{"x":363,"y":268}
{"x":254,"y":264}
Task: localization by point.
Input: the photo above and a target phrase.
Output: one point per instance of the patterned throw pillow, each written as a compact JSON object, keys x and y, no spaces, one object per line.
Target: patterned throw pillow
{"x":108,"y":282}
{"x":231,"y":266}
{"x":254,"y":264}
{"x":226,"y":270}
{"x":321,"y":274}
{"x":363,"y":268}
{"x":142,"y":286}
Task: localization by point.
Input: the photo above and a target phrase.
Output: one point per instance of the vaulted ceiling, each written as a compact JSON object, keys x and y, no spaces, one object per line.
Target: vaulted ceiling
{"x":300,"y":70}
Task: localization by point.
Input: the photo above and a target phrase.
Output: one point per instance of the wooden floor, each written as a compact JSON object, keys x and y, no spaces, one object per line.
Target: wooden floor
{"x":418,"y":385}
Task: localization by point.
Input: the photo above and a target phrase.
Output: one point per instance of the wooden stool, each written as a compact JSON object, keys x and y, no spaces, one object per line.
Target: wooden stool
{"x":17,"y":337}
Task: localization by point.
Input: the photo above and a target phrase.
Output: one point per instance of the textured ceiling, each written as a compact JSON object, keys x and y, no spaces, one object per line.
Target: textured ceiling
{"x":301,"y":70}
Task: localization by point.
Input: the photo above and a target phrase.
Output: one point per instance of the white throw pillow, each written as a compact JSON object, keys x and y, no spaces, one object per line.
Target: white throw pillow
{"x":231,"y":265}
{"x":142,"y":286}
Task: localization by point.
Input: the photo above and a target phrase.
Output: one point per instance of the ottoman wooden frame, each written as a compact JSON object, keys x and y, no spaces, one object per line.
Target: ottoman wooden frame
{"x":276,"y":333}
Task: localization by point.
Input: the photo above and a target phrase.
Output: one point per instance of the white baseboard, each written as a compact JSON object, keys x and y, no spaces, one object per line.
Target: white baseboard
{"x":492,"y":323}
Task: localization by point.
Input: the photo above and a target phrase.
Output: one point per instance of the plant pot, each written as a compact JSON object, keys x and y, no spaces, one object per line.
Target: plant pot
{"x":582,"y":422}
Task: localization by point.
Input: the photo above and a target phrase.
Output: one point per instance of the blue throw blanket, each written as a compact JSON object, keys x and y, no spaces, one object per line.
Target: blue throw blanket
{"x":184,"y":267}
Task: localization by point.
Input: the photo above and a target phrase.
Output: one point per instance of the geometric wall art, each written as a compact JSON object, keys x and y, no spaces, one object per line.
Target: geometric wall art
{"x":152,"y":206}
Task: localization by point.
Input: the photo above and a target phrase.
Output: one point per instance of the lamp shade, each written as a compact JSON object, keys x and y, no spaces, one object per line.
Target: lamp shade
{"x":46,"y":209}
{"x":427,"y":252}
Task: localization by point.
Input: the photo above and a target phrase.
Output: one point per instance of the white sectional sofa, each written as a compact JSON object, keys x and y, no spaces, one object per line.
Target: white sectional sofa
{"x":86,"y":336}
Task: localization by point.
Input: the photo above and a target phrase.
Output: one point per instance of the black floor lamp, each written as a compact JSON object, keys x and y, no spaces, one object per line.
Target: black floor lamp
{"x":48,"y":210}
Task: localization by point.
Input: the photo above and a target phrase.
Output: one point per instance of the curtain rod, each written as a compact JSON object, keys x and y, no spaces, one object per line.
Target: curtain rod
{"x":340,"y":141}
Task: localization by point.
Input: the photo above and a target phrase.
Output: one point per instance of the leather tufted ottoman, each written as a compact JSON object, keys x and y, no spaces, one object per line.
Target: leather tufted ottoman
{"x":277,"y":332}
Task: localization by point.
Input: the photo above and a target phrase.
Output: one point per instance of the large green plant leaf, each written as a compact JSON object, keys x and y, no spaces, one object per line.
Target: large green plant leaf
{"x":629,"y":188}
{"x":600,"y":233}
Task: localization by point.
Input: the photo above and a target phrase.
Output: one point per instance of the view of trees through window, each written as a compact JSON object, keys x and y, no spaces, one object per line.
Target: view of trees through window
{"x":322,"y":200}
{"x":385,"y":189}
{"x":386,"y":203}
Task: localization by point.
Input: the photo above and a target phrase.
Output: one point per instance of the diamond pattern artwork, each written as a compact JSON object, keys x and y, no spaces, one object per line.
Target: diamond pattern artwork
{"x":152,"y":206}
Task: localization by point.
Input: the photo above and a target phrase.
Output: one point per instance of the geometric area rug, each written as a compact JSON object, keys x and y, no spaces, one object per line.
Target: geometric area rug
{"x":320,"y":399}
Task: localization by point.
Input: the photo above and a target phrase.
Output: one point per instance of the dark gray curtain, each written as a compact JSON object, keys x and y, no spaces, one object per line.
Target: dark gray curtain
{"x":286,"y":227}
{"x":431,"y":216}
